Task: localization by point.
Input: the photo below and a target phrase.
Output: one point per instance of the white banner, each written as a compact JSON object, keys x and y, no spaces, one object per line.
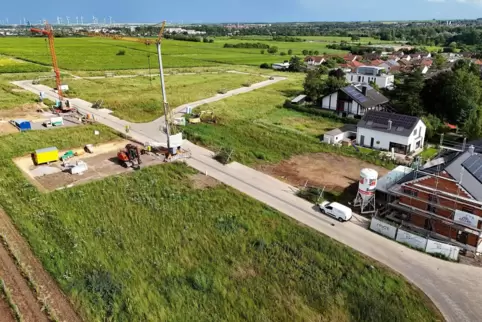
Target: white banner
{"x":383,"y":228}
{"x":411,"y":239}
{"x":435,"y":247}
{"x":466,"y":218}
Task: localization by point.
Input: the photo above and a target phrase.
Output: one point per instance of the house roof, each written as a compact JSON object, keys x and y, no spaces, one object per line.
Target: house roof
{"x":376,"y":62}
{"x":316,"y":59}
{"x":371,"y":99}
{"x":468,"y":181}
{"x":298,"y":98}
{"x":426,"y":62}
{"x":356,"y":63}
{"x":392,"y":62}
{"x":343,"y":129}
{"x":402,"y":125}
{"x":350,"y":57}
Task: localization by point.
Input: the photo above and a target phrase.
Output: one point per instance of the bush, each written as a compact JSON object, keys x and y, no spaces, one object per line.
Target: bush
{"x":282,"y":53}
{"x":318,"y":112}
{"x":265,"y":66}
{"x":121,"y":53}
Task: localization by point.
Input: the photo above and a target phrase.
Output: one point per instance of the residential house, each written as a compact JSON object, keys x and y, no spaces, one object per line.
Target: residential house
{"x":406,"y":57}
{"x":443,"y":200}
{"x":389,"y":64}
{"x":346,"y":133}
{"x":371,"y":56}
{"x":368,"y":74}
{"x":314,"y":60}
{"x":415,"y":56}
{"x":376,"y":62}
{"x":351,"y":66}
{"x":425,"y":55}
{"x":399,"y":133}
{"x":350,"y":58}
{"x":398,"y":54}
{"x":354,"y":100}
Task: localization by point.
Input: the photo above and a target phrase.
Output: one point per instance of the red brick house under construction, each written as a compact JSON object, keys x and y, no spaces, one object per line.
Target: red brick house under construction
{"x":443,"y":201}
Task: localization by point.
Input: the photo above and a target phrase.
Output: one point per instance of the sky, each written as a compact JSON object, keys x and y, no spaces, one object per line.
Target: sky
{"x":213,"y":11}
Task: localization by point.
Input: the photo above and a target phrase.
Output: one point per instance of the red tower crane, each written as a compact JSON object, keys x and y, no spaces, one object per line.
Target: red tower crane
{"x":49,"y":32}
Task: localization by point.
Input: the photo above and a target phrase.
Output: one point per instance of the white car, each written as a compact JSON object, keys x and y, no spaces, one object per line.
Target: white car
{"x":336,"y":210}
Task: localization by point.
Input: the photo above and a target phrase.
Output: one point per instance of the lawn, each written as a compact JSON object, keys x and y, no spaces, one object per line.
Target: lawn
{"x":102,"y":54}
{"x":429,"y":153}
{"x":259,"y":129}
{"x":148,"y":246}
{"x":139,"y":99}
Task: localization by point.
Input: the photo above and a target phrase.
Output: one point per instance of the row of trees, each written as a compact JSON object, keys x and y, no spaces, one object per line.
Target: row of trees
{"x":452,"y":96}
{"x":247,"y":45}
{"x":192,"y":38}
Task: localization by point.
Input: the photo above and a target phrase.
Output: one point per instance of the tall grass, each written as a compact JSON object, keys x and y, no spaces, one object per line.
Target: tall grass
{"x":149,"y":247}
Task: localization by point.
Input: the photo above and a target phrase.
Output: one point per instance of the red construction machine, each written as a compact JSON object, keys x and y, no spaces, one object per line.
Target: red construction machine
{"x":130,"y":156}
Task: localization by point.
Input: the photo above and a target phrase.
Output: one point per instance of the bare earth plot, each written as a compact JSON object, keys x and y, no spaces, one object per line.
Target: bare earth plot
{"x":102,"y":163}
{"x":5,"y":311}
{"x":336,"y":172}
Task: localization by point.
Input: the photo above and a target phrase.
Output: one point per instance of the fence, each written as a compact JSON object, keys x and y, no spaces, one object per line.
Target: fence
{"x":425,"y":244}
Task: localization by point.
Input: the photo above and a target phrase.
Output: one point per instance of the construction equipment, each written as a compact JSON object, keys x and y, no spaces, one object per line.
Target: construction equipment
{"x":130,"y":156}
{"x":49,"y":32}
{"x":204,"y":116}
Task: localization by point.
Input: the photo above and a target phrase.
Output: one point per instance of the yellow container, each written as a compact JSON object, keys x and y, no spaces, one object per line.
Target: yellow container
{"x":46,"y":155}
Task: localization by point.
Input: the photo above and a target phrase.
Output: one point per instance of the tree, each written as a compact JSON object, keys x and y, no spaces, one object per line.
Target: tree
{"x":262,"y":52}
{"x":316,"y":52}
{"x":473,"y":124}
{"x":433,"y":124}
{"x":310,"y":52}
{"x":305,"y":52}
{"x":439,"y":61}
{"x":323,"y":70}
{"x":333,"y":84}
{"x":330,"y":63}
{"x":406,"y":96}
{"x":273,"y":50}
{"x":282,"y":53}
{"x":265,"y":66}
{"x":296,"y":64}
{"x":337,"y":73}
{"x":290,"y":51}
{"x":355,"y":38}
{"x":314,"y":85}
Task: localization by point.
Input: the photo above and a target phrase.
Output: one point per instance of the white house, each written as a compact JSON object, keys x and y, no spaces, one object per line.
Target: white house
{"x":386,"y":131}
{"x":345,"y":133}
{"x":281,"y":66}
{"x":354,"y":100}
{"x":367,"y":74}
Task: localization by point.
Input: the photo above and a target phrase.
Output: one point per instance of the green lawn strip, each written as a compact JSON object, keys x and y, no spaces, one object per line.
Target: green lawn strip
{"x":147,"y":246}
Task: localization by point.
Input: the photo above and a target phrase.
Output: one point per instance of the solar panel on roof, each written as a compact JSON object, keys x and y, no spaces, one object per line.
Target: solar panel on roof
{"x":356,"y":94}
{"x":474,"y":166}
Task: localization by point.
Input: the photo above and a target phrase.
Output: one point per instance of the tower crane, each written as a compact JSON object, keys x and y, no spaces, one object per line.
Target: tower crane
{"x":49,"y":32}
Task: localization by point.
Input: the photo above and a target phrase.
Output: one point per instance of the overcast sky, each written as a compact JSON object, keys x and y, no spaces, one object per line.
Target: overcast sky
{"x":198,"y":11}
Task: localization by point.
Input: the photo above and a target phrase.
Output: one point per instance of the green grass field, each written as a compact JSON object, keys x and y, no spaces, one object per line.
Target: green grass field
{"x":10,"y":65}
{"x":147,"y":246}
{"x":259,"y":129}
{"x":135,"y":99}
{"x":101,"y":54}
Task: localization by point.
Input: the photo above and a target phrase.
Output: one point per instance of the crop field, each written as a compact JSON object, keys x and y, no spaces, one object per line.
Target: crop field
{"x":10,"y":65}
{"x":139,"y":100}
{"x":156,"y":245}
{"x":13,"y":97}
{"x":102,"y":54}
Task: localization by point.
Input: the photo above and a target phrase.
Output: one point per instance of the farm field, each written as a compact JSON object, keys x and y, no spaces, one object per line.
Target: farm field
{"x":139,"y":100}
{"x":11,"y":65}
{"x":159,"y":244}
{"x":103,"y":54}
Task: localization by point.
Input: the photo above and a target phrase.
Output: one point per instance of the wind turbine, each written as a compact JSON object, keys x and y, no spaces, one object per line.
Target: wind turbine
{"x":82,"y":20}
{"x":110,"y":20}
{"x":77,"y":20}
{"x":68,"y":20}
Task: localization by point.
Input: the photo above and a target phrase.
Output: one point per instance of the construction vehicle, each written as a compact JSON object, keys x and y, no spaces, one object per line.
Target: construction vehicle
{"x":204,"y":116}
{"x":130,"y":156}
{"x":49,"y":32}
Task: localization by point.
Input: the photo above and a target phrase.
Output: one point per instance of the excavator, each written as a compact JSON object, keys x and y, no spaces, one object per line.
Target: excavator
{"x":130,"y":156}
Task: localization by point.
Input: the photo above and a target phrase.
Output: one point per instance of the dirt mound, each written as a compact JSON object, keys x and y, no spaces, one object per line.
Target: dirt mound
{"x":201,"y":181}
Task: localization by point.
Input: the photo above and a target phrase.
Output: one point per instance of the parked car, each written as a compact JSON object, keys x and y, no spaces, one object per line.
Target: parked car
{"x":336,"y":210}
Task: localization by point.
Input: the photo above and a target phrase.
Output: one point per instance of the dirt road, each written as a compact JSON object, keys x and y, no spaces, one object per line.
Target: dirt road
{"x":5,"y":311}
{"x":29,"y":306}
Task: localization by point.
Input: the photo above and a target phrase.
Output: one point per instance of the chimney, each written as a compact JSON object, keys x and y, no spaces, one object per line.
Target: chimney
{"x":471,"y":150}
{"x":364,"y":90}
{"x":389,"y":127}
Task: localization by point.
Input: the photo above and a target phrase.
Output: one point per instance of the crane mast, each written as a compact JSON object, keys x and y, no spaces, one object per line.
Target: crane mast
{"x":49,"y":32}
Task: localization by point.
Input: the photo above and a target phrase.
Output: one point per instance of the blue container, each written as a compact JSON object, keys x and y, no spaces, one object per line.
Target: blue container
{"x":23,"y":125}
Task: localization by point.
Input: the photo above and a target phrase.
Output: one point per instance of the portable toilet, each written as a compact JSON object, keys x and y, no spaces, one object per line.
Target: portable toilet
{"x":22,"y":125}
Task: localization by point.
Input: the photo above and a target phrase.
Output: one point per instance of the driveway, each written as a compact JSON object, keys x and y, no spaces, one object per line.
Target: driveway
{"x":454,"y":288}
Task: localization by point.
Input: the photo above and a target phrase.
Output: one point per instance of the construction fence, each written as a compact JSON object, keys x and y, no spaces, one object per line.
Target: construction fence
{"x":418,"y":242}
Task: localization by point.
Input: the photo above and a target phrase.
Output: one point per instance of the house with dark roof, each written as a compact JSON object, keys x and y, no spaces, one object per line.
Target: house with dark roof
{"x":402,"y":134}
{"x":441,"y":200}
{"x":355,"y":100}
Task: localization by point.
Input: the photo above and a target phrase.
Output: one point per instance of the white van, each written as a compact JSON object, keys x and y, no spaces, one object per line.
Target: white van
{"x":336,"y":210}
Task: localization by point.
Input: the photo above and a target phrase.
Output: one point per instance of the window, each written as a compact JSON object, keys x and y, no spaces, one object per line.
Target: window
{"x":410,"y":192}
{"x":433,"y":198}
{"x":428,"y":224}
{"x":359,"y":78}
{"x":415,"y":132}
{"x":462,"y":237}
{"x":432,"y":209}
{"x":352,"y":78}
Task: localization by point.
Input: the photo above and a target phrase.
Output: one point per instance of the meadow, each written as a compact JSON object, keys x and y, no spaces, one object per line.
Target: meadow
{"x":102,"y":54}
{"x":10,"y":65}
{"x":139,"y":99}
{"x":149,"y":246}
{"x":258,"y":129}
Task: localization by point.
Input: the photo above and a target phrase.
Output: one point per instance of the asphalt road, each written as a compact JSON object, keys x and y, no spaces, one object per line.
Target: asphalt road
{"x":454,"y":288}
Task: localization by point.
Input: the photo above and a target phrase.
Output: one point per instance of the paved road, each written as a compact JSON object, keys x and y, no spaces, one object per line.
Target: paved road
{"x":454,"y":288}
